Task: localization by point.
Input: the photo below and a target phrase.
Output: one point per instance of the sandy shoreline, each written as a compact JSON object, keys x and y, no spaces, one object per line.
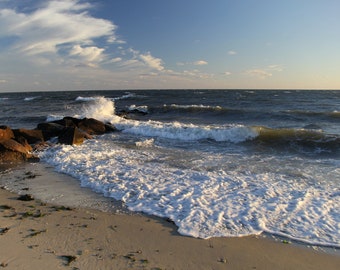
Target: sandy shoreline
{"x":35,"y":235}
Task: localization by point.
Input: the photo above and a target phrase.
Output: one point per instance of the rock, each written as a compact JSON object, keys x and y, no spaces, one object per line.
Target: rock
{"x":13,"y":145}
{"x":24,"y":143}
{"x":6,"y":133}
{"x":13,"y":151}
{"x":26,"y":197}
{"x":50,"y":130}
{"x":72,"y":135}
{"x":110,"y":128}
{"x":11,"y":156}
{"x":32,"y":136}
{"x":92,"y":126}
{"x":68,"y":121}
{"x":16,"y":145}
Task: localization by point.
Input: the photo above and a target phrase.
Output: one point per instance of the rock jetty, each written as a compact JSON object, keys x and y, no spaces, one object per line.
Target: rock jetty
{"x":19,"y":144}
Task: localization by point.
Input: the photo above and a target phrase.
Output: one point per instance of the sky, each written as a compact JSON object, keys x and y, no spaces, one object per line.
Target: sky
{"x":169,"y":44}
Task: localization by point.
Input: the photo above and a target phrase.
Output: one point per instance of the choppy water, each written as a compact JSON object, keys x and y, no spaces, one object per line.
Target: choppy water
{"x":218,"y":163}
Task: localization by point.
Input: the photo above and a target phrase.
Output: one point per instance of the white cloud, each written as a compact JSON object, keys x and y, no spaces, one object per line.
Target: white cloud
{"x":259,"y":73}
{"x":54,"y":24}
{"x":200,"y":63}
{"x":275,"y":67}
{"x":3,"y":81}
{"x":115,"y":60}
{"x":264,"y":73}
{"x":153,"y":62}
{"x":232,"y":52}
{"x":227,"y":73}
{"x":90,"y":54}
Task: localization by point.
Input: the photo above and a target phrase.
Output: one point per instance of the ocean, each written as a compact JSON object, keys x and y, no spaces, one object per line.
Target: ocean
{"x":215,"y":162}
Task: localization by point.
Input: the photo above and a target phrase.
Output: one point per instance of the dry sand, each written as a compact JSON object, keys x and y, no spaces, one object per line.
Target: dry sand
{"x":35,"y":235}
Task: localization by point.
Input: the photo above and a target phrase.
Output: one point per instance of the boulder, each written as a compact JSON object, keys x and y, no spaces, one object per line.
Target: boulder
{"x":24,"y":143}
{"x":11,"y":150}
{"x":110,"y":128}
{"x":13,"y":145}
{"x":92,"y":126}
{"x":32,"y":136}
{"x":50,"y":130}
{"x":71,"y":136}
{"x":6,"y":133}
{"x":68,"y":121}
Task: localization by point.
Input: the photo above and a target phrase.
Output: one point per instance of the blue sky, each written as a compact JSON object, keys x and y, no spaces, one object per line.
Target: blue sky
{"x":159,"y":44}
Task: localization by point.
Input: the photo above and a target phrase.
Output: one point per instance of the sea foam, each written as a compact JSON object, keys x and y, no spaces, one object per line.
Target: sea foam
{"x":205,"y":201}
{"x":205,"y":179}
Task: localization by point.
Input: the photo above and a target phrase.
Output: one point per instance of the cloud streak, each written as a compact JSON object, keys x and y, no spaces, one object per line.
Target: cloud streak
{"x":152,"y":62}
{"x":200,"y":63}
{"x":55,"y":24}
{"x":264,"y":73}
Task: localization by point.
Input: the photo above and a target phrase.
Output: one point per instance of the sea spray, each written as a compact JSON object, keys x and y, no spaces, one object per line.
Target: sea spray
{"x":100,"y":108}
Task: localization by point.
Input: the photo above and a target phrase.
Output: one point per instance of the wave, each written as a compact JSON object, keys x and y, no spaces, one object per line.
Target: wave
{"x":187,"y":132}
{"x":142,"y":109}
{"x":315,"y":140}
{"x":30,"y":98}
{"x":194,"y":107}
{"x":333,"y":114}
{"x":126,"y":96}
{"x":200,"y":108}
{"x":80,"y":98}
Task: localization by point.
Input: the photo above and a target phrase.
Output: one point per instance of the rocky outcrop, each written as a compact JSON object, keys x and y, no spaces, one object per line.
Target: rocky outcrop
{"x":12,"y":150}
{"x":32,"y":136}
{"x":18,"y":144}
{"x":72,"y":135}
{"x":50,"y":130}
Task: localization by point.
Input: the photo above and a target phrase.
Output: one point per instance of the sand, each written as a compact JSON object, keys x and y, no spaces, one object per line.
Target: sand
{"x":36,"y":235}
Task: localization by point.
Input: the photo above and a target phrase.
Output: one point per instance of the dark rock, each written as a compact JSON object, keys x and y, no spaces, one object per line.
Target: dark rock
{"x":6,"y":133}
{"x":50,"y":130}
{"x":26,"y":197}
{"x":32,"y":136}
{"x":110,"y":128}
{"x":92,"y":126}
{"x":72,"y":135}
{"x":16,"y":145}
{"x":68,"y":121}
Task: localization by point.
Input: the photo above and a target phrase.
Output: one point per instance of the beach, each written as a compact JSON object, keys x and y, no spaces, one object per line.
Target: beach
{"x":39,"y":235}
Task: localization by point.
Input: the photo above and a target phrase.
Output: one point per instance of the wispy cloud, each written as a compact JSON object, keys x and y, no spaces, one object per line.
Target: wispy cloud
{"x":89,"y":54}
{"x":200,"y":63}
{"x":153,"y":62}
{"x":55,"y":24}
{"x":232,"y":52}
{"x":259,"y":73}
{"x":264,"y":73}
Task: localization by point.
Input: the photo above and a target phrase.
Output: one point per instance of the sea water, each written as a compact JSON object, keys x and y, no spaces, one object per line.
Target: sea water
{"x":217,"y":163}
